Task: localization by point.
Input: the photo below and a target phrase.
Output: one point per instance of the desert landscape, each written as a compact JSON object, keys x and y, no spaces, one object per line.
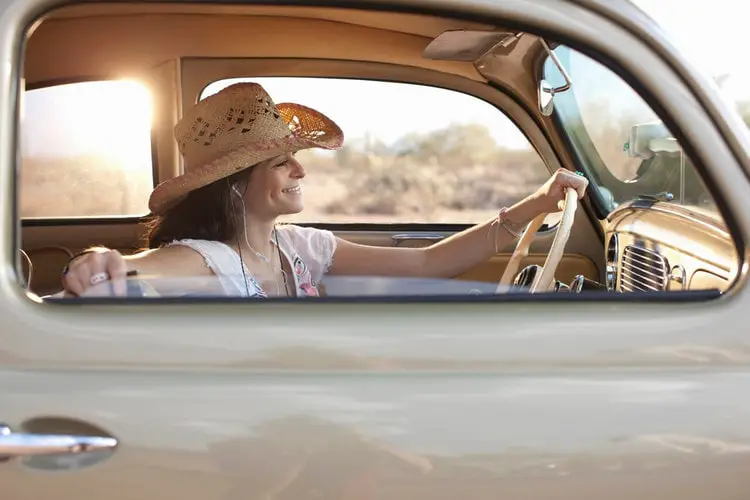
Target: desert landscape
{"x":454,"y":175}
{"x":457,"y":174}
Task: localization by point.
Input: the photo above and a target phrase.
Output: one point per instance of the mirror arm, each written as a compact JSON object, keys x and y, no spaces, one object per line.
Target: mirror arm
{"x":560,"y":68}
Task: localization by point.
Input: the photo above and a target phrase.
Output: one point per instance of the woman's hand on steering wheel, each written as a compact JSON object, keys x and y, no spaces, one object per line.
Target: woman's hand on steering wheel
{"x":550,"y":197}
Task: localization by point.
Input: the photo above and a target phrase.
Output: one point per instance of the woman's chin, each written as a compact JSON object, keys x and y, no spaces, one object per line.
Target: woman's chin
{"x":292,"y":208}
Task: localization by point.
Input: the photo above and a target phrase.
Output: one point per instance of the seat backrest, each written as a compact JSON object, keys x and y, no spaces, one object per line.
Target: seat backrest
{"x":46,"y":265}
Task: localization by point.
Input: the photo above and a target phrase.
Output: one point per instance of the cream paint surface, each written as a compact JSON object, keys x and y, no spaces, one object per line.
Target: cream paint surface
{"x":515,"y":400}
{"x":406,"y":436}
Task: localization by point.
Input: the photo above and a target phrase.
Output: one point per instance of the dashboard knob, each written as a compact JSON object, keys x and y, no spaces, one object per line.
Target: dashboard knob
{"x":580,"y":282}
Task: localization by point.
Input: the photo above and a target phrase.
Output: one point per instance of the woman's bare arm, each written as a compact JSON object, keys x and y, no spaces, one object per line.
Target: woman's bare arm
{"x":166,"y":261}
{"x":177,"y":260}
{"x":445,"y":259}
{"x":460,"y":252}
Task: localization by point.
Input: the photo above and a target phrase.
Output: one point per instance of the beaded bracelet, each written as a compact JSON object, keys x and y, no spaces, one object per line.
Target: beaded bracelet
{"x":516,"y":230}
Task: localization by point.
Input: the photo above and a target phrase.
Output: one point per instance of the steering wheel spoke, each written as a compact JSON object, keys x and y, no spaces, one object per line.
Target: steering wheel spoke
{"x":544,"y":278}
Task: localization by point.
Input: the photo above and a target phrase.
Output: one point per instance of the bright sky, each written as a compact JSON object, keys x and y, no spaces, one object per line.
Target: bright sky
{"x":710,"y":33}
{"x":102,"y":119}
{"x":90,"y":118}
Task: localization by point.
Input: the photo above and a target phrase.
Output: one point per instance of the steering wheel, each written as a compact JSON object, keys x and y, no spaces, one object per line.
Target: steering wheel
{"x":545,"y":278}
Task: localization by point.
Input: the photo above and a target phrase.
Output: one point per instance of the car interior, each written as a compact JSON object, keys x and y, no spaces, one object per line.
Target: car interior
{"x":624,"y":236}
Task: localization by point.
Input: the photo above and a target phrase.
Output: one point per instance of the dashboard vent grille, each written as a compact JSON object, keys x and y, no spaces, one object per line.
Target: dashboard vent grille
{"x":643,"y":270}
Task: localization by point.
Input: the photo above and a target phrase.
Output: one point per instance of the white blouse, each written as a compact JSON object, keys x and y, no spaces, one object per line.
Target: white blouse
{"x":309,"y":250}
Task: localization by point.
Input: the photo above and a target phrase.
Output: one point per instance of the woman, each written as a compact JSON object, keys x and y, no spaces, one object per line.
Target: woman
{"x":219,"y":217}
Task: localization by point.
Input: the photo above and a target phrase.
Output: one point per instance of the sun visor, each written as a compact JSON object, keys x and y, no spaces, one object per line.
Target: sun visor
{"x":470,"y":45}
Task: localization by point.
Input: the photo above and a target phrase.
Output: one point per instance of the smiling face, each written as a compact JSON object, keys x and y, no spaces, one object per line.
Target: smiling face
{"x":274,"y":187}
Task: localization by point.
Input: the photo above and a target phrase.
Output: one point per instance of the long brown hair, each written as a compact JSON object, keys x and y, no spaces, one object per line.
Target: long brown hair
{"x":208,"y":213}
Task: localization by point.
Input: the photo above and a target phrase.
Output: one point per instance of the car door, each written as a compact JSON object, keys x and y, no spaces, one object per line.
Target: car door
{"x":530,"y":397}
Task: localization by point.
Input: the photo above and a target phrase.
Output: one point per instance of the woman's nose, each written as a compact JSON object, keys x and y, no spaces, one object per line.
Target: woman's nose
{"x":298,"y":172}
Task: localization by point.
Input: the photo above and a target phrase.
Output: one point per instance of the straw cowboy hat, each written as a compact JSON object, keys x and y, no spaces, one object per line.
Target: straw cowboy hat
{"x":236,"y":129}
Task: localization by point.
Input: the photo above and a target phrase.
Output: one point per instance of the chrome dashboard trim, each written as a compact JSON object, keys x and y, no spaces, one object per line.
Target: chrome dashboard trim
{"x":612,"y":262}
{"x":677,"y":211}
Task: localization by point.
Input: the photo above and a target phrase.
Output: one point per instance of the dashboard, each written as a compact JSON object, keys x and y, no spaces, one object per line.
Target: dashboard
{"x":654,"y":246}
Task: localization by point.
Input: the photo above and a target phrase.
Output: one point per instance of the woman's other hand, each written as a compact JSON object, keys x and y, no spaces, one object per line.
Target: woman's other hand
{"x":94,"y":267}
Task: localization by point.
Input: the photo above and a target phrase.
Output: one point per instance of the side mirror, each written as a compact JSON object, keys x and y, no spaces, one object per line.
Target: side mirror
{"x":546,"y":98}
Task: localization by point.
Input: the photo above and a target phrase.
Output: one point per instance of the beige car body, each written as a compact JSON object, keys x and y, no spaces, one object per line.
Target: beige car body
{"x":546,"y":399}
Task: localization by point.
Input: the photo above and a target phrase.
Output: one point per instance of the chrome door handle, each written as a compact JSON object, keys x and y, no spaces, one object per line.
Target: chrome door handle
{"x":18,"y":444}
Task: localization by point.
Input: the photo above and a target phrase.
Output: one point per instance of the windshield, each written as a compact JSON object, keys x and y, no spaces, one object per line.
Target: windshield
{"x":625,"y":149}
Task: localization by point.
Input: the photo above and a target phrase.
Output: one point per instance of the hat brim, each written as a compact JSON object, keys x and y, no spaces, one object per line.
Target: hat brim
{"x":306,"y":125}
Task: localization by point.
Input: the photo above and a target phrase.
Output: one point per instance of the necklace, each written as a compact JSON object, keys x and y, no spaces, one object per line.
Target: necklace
{"x":268,"y":261}
{"x":262,"y":257}
{"x":258,"y":254}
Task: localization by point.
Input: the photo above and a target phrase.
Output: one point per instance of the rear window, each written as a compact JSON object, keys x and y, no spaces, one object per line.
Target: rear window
{"x":86,"y":150}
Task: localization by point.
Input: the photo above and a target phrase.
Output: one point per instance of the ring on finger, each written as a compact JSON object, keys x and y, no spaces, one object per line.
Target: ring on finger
{"x":98,"y":278}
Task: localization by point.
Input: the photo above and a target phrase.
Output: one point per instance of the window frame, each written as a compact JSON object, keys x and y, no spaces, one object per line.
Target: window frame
{"x":721,"y":128}
{"x":79,"y":220}
{"x":434,"y":227}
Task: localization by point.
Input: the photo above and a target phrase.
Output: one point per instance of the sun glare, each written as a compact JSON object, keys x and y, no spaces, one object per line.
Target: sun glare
{"x":86,"y":149}
{"x":108,"y":119}
{"x":111,"y":117}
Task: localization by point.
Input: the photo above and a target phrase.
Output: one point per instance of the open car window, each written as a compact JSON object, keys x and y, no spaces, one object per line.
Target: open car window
{"x":80,"y":143}
{"x":419,"y":163}
{"x":412,"y":153}
{"x":625,"y":149}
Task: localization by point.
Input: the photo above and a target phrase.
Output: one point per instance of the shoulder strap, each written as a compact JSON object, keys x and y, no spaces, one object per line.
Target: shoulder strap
{"x":225,"y":263}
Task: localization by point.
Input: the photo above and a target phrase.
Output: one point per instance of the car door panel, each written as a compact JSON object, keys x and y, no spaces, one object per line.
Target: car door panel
{"x":569,"y":267}
{"x":239,"y":433}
